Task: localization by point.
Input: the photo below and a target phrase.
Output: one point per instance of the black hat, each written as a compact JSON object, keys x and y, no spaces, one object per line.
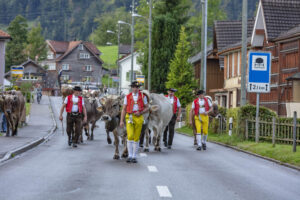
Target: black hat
{"x":200,"y":92}
{"x":77,"y":88}
{"x":172,"y":90}
{"x":135,"y":84}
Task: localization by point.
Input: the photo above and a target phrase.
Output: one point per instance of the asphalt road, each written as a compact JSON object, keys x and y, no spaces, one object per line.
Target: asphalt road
{"x":53,"y":170}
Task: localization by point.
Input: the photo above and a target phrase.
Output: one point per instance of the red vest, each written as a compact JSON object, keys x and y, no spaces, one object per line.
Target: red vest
{"x":70,"y":104}
{"x":174,"y":104}
{"x":197,"y":106}
{"x":130,"y":103}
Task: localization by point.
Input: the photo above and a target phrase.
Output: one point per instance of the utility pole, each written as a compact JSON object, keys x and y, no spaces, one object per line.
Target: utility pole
{"x":244,"y":54}
{"x":118,"y":70}
{"x":150,"y":50}
{"x":203,"y":45}
{"x":132,"y":40}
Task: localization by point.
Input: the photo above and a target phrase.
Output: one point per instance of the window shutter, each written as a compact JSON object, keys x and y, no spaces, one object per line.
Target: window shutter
{"x":83,"y":68}
{"x":92,"y":68}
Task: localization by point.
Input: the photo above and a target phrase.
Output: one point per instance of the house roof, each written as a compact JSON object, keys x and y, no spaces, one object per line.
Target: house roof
{"x":66,"y":47}
{"x":295,"y":76}
{"x":31,"y":61}
{"x":4,"y":35}
{"x":234,"y":46}
{"x":290,"y":33}
{"x":230,"y":32}
{"x":127,"y":56}
{"x":198,"y":56}
{"x":280,"y":16}
{"x":125,"y":49}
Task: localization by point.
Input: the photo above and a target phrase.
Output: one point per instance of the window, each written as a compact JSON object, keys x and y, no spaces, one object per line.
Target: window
{"x":84,"y":55}
{"x":65,"y":67}
{"x":52,"y":66}
{"x":232,"y":66}
{"x":65,"y":77}
{"x":88,"y":79}
{"x":239,"y":63}
{"x":50,"y":55}
{"x":80,"y":46}
{"x":88,"y":68}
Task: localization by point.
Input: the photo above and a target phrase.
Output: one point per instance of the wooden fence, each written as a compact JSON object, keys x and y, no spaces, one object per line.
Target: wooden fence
{"x":276,"y":130}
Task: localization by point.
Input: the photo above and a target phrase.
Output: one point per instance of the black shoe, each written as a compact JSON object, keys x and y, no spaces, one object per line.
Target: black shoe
{"x":128,"y":160}
{"x":141,"y":145}
{"x":69,"y":142}
{"x":74,"y":145}
{"x":165,"y":143}
{"x":134,"y":160}
{"x":199,"y":148}
{"x":169,"y":147}
{"x":204,"y":146}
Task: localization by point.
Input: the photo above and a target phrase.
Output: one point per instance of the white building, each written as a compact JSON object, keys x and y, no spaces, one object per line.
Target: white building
{"x":125,"y":71}
{"x":4,"y":37}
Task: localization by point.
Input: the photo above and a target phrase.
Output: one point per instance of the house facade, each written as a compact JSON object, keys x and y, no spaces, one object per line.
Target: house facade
{"x":125,"y":71}
{"x":4,"y":37}
{"x":79,"y":61}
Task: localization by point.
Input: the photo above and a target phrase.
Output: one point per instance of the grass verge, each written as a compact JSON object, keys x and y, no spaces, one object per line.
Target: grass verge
{"x":281,"y":152}
{"x":109,"y":56}
{"x":28,"y":106}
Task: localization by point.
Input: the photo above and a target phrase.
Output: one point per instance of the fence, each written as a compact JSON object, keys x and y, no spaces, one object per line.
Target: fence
{"x":276,"y":130}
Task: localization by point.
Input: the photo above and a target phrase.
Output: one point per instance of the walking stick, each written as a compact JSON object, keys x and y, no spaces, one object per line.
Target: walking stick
{"x":62,"y":125}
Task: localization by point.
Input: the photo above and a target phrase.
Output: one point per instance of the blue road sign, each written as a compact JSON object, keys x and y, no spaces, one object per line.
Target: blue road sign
{"x":259,"y":72}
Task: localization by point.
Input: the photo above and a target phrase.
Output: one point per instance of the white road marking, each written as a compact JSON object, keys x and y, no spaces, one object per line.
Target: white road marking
{"x":152,"y":168}
{"x":143,"y":155}
{"x":163,"y":191}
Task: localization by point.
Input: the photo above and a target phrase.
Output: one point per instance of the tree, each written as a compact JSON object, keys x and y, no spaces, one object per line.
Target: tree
{"x":36,"y":48}
{"x":193,"y":26}
{"x":181,"y":75}
{"x":15,"y":52}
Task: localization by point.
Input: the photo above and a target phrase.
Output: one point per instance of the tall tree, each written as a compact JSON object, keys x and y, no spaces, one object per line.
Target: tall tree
{"x":36,"y":47}
{"x":170,"y":15}
{"x":15,"y":52}
{"x":181,"y":75}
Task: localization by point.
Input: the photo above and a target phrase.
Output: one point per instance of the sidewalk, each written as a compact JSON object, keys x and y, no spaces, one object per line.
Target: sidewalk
{"x":40,"y":125}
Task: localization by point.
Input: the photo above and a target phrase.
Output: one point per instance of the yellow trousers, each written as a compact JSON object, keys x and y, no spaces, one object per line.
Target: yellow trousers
{"x":203,"y":124}
{"x":134,"y":129}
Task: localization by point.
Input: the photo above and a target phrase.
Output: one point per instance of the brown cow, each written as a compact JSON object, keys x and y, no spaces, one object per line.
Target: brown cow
{"x":111,"y":107}
{"x":13,"y":105}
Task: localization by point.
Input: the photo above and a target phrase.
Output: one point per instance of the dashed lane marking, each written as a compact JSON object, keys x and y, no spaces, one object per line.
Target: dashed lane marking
{"x":152,"y":168}
{"x":163,"y":191}
{"x":143,"y":155}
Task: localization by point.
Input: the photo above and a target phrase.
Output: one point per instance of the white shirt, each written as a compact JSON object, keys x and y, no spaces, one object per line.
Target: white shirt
{"x":202,"y":105}
{"x":171,"y":99}
{"x":75,"y":103}
{"x":135,"y":98}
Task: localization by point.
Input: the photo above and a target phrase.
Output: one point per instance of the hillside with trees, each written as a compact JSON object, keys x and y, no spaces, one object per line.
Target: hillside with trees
{"x":77,"y":19}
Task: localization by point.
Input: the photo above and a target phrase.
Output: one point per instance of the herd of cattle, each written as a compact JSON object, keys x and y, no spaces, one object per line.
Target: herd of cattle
{"x":12,"y":104}
{"x":105,"y":108}
{"x":108,"y":109}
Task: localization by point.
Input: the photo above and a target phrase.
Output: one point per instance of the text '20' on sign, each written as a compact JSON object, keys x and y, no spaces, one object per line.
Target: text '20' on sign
{"x":259,"y":72}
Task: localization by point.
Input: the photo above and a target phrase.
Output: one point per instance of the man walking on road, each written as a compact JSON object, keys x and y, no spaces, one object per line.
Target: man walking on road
{"x":200,"y":109}
{"x":74,"y":105}
{"x":135,"y":105}
{"x":168,"y":141}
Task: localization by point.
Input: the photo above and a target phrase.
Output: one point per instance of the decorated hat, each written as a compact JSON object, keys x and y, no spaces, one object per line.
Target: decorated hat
{"x":77,"y":88}
{"x":200,"y":92}
{"x":172,"y":90}
{"x":135,"y":84}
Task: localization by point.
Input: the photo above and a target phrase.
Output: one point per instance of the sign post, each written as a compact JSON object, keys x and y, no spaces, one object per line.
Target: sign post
{"x":259,"y":72}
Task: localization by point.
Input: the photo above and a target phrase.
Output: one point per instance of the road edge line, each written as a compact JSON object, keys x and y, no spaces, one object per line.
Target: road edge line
{"x":26,"y":147}
{"x":251,"y":153}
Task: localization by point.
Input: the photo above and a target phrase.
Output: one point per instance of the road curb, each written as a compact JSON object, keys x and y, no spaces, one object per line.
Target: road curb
{"x":251,"y":153}
{"x":34,"y":143}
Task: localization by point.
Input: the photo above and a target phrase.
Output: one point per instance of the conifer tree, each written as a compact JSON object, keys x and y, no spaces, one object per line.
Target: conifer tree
{"x":181,"y":75}
{"x":36,"y":48}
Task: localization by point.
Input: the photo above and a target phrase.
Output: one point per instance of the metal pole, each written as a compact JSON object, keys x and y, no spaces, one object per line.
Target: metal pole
{"x":205,"y":46}
{"x":257,"y":119}
{"x":295,"y":132}
{"x":244,"y":54}
{"x":132,"y":40}
{"x":202,"y":46}
{"x":150,"y":50}
{"x":118,"y":66}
